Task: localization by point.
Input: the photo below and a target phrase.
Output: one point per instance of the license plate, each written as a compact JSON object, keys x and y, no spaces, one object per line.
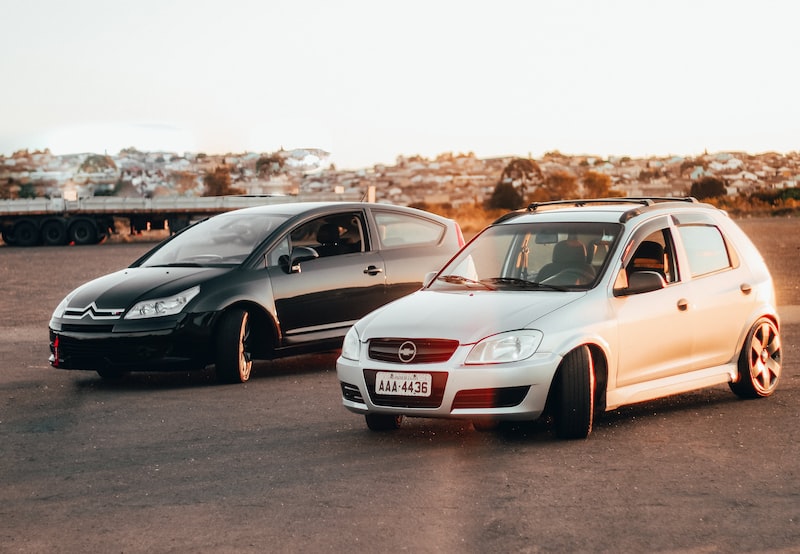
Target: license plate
{"x":403,"y":384}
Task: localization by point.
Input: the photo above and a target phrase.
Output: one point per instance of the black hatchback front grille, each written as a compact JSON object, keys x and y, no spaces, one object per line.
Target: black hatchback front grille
{"x":418,"y":351}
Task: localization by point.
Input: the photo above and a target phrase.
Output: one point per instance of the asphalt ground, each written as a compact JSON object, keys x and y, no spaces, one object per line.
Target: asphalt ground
{"x":178,"y":463}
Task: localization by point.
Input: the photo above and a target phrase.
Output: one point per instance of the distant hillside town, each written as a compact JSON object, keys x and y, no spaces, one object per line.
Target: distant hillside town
{"x":454,"y":179}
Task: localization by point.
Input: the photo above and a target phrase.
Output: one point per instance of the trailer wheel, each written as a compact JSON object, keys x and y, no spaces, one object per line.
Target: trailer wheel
{"x":54,"y":233}
{"x":26,"y":233}
{"x":8,"y":238}
{"x":83,"y":231}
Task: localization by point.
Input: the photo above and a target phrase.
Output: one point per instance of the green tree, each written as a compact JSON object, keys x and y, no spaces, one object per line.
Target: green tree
{"x":708,"y":187}
{"x":561,"y":185}
{"x":218,"y":182}
{"x":27,"y":190}
{"x":523,"y":173}
{"x":505,"y":197}
{"x":596,"y":185}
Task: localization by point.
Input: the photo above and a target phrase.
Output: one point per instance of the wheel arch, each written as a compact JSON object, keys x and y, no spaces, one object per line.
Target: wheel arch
{"x":766,"y":312}
{"x":599,"y":354}
{"x":262,"y":324}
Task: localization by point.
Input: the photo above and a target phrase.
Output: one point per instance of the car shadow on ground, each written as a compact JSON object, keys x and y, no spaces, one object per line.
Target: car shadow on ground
{"x":262,"y":369}
{"x":706,"y":402}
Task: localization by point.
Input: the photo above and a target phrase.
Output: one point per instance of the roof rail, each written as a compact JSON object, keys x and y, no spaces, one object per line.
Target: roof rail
{"x":645,"y":201}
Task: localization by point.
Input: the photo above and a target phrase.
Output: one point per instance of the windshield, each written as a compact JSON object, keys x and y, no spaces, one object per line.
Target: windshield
{"x":226,"y":239}
{"x":526,"y":256}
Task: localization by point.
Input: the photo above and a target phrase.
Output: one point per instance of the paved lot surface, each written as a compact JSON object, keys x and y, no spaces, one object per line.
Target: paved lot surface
{"x":177,"y":463}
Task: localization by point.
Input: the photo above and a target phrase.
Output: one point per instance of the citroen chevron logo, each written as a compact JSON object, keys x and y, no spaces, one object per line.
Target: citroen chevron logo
{"x":407,"y":352}
{"x":93,"y":312}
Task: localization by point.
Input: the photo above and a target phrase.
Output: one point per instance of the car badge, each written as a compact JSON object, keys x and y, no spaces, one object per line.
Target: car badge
{"x":407,"y":352}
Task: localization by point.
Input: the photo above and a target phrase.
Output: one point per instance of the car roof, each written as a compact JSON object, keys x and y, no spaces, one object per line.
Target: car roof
{"x":296,"y":208}
{"x":603,"y":209}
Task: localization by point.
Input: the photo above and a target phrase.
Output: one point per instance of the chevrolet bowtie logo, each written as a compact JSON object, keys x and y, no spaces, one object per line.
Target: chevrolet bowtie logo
{"x":407,"y":351}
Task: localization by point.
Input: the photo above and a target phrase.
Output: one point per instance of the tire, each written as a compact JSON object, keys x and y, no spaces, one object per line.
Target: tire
{"x":26,"y":233}
{"x":574,"y":394}
{"x":383,"y":422}
{"x":8,"y":238}
{"x":759,"y":362}
{"x":54,"y":233}
{"x":83,"y":232}
{"x":233,"y":357}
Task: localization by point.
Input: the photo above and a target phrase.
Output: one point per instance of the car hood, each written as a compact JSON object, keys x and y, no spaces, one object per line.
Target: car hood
{"x":120,"y":290}
{"x":465,"y":316}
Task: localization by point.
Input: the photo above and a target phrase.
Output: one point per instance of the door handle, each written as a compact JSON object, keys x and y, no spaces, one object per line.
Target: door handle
{"x":373,"y":270}
{"x":745,"y":288}
{"x":683,"y":304}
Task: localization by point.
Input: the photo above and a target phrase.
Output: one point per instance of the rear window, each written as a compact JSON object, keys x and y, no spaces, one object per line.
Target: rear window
{"x":407,"y":230}
{"x":705,"y":248}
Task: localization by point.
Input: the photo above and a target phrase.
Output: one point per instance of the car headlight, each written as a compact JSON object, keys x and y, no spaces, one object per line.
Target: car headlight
{"x":351,"y":347}
{"x":159,"y":307}
{"x":505,"y":347}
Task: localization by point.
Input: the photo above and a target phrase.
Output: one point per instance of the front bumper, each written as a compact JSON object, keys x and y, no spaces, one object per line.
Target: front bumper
{"x":516,"y":391}
{"x":175,"y":343}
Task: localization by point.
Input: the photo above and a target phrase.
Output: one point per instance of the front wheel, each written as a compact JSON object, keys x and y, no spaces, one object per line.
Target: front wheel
{"x":573,"y":395}
{"x":383,"y":422}
{"x":233,"y":357}
{"x":759,"y":362}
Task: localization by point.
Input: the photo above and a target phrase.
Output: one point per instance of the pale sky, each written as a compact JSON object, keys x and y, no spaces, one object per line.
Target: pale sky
{"x":370,"y":80}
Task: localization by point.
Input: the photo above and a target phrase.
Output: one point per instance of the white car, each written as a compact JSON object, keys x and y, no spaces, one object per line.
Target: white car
{"x":568,"y":309}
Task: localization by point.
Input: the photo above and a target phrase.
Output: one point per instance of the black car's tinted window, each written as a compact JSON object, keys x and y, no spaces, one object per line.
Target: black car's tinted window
{"x":706,"y":249}
{"x":406,"y":230}
{"x":330,"y":235}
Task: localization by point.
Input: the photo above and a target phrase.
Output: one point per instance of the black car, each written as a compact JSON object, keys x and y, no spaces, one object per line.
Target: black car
{"x":256,"y":283}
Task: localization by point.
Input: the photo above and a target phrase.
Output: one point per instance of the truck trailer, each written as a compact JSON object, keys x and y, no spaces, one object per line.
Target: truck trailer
{"x":58,"y":221}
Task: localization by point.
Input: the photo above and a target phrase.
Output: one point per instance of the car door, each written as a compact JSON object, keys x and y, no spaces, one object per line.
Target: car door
{"x":720,"y":301}
{"x":410,"y":247}
{"x":320,"y":298}
{"x":656,"y":329}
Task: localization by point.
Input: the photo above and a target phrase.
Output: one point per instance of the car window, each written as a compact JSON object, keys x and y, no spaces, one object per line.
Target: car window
{"x":656,"y":252}
{"x":406,"y":230}
{"x":220,"y":240}
{"x":330,"y":235}
{"x":705,"y":248}
{"x":515,"y":256}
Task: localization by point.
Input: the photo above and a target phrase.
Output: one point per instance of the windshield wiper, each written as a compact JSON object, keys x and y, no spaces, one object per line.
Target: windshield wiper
{"x":461,"y":280}
{"x":526,"y":284}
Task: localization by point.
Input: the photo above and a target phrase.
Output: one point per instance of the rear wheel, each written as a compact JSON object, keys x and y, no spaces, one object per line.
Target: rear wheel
{"x":83,"y":231}
{"x":574,"y":393}
{"x":233,"y":357}
{"x":54,"y":233}
{"x":383,"y":422}
{"x":759,"y":361}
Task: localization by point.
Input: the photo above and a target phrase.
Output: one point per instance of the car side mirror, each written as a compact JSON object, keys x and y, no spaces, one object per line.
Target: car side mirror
{"x":639,"y":282}
{"x":429,"y":278}
{"x":301,"y":254}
